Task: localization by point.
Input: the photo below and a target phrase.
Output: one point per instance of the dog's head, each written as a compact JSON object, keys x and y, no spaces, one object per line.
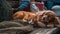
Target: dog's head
{"x":46,"y":16}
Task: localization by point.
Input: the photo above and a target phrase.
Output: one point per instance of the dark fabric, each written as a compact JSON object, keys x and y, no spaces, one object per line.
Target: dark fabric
{"x":58,"y":32}
{"x":5,"y":10}
{"x":27,"y":8}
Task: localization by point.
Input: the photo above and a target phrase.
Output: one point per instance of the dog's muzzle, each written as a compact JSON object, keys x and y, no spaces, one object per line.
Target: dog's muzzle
{"x":44,"y":18}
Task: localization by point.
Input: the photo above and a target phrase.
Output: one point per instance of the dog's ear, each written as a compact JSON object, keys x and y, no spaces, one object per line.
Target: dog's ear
{"x":51,"y":12}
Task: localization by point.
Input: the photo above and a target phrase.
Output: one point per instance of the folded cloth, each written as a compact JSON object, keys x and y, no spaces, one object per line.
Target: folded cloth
{"x":34,"y":8}
{"x":56,"y":8}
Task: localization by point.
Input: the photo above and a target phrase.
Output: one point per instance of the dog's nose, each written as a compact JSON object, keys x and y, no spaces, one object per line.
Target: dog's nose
{"x":44,"y":17}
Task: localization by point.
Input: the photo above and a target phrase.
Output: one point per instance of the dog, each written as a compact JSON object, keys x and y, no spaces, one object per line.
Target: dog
{"x":44,"y":18}
{"x":27,"y":17}
{"x":49,"y":18}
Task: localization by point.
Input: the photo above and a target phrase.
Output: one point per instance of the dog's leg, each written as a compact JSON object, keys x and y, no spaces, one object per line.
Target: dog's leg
{"x":57,"y":22}
{"x":25,"y":19}
{"x":50,"y":25}
{"x":41,"y":24}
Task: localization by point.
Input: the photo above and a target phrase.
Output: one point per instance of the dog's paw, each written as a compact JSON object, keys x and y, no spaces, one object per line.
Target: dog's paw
{"x":57,"y":25}
{"x":24,"y":20}
{"x":41,"y":24}
{"x":50,"y":25}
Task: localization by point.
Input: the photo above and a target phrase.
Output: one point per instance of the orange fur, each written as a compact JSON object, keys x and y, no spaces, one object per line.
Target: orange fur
{"x":25,"y":16}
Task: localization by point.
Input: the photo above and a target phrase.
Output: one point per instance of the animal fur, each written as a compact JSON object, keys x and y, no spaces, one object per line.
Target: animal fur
{"x":40,"y":19}
{"x":48,"y":18}
{"x":26,"y":17}
{"x":23,"y":15}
